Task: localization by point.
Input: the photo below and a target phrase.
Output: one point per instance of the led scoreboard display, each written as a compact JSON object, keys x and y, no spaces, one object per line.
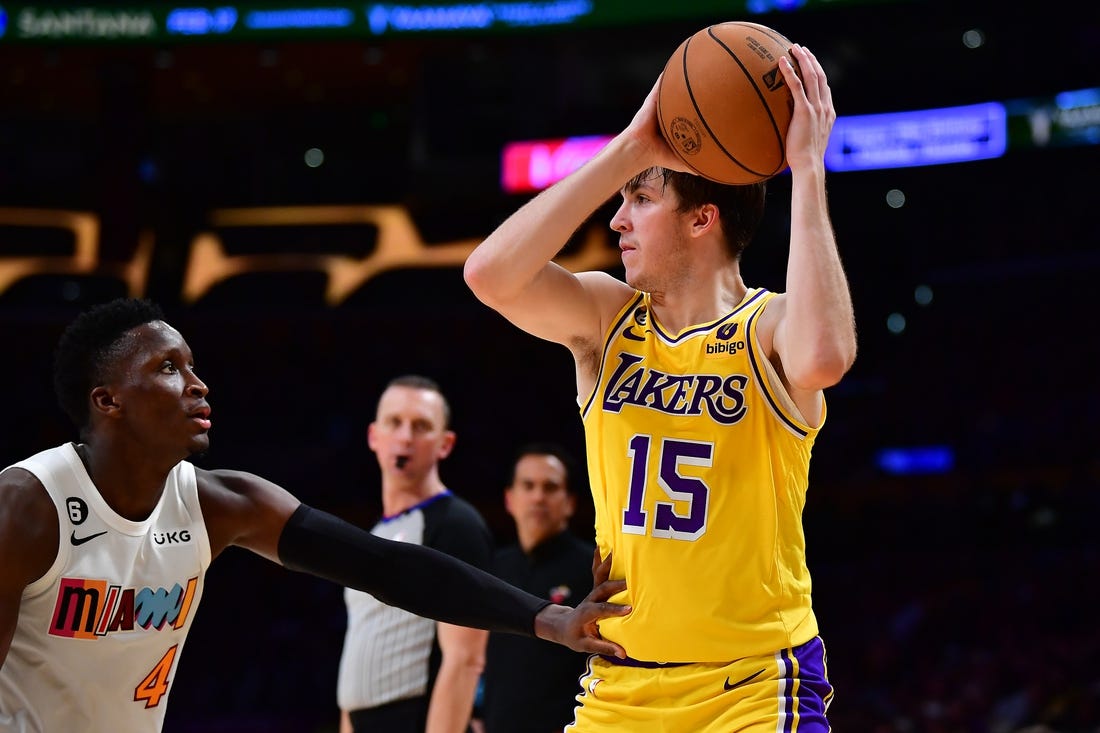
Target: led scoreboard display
{"x":253,"y":20}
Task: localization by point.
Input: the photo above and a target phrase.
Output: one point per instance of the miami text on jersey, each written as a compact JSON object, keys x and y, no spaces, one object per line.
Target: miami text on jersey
{"x":88,"y":608}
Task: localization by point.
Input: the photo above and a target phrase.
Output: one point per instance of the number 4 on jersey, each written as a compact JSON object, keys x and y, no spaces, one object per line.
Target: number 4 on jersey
{"x":155,"y":685}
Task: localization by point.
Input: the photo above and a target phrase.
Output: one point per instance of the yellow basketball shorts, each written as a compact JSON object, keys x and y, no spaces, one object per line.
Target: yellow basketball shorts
{"x":785,"y":692}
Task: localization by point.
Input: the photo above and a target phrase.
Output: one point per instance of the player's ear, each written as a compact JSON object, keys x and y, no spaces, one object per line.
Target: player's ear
{"x":103,"y":401}
{"x":705,"y":220}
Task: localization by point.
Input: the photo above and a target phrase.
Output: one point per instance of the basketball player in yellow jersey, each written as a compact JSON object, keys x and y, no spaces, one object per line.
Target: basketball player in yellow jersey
{"x":701,"y":398}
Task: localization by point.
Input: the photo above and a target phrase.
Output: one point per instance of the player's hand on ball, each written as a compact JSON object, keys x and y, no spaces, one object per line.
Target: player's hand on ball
{"x":645,"y":129}
{"x":814,"y":114}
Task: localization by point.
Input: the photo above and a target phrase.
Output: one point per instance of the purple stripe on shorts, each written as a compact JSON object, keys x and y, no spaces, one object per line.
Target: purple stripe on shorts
{"x":788,"y":690}
{"x":814,"y":691}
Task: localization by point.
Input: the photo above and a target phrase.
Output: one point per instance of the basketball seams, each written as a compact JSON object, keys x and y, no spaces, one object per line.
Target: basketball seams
{"x":691,"y":96}
{"x":759,"y":95}
{"x":660,"y":115}
{"x":703,"y":119}
{"x":701,"y":95}
{"x":785,"y":43}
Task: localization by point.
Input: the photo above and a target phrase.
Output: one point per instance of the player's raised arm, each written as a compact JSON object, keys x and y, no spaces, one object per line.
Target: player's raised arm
{"x":815,"y":335}
{"x":511,"y":271}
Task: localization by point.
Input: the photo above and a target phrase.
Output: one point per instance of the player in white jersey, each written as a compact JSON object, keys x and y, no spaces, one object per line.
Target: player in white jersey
{"x":105,"y":541}
{"x":698,"y":441}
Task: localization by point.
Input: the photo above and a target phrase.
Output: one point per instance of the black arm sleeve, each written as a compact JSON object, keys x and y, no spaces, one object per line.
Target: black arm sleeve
{"x":417,"y":579}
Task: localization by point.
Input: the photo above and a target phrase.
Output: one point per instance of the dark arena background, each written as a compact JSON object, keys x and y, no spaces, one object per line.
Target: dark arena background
{"x":298,"y":187}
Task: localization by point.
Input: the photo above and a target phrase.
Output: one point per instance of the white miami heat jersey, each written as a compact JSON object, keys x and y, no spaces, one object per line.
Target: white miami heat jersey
{"x":100,"y":634}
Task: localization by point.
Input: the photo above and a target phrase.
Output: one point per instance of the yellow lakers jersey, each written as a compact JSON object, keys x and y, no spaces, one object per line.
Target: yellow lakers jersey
{"x":699,"y":466}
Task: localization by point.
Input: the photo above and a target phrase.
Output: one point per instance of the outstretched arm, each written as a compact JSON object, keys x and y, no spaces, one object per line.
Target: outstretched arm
{"x":435,"y":585}
{"x":511,"y":271}
{"x":245,"y":510}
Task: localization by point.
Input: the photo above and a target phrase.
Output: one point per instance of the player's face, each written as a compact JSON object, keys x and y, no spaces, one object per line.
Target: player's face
{"x":155,"y":394}
{"x":409,"y":434}
{"x":652,"y":236}
{"x":538,"y":499}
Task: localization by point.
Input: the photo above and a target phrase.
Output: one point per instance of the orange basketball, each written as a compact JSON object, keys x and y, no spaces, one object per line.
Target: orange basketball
{"x":723,"y":104}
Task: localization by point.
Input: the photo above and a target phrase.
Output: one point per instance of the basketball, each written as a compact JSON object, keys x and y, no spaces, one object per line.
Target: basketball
{"x":723,"y":104}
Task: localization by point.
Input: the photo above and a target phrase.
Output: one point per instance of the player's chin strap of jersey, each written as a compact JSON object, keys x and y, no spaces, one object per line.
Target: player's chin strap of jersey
{"x":418,"y":579}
